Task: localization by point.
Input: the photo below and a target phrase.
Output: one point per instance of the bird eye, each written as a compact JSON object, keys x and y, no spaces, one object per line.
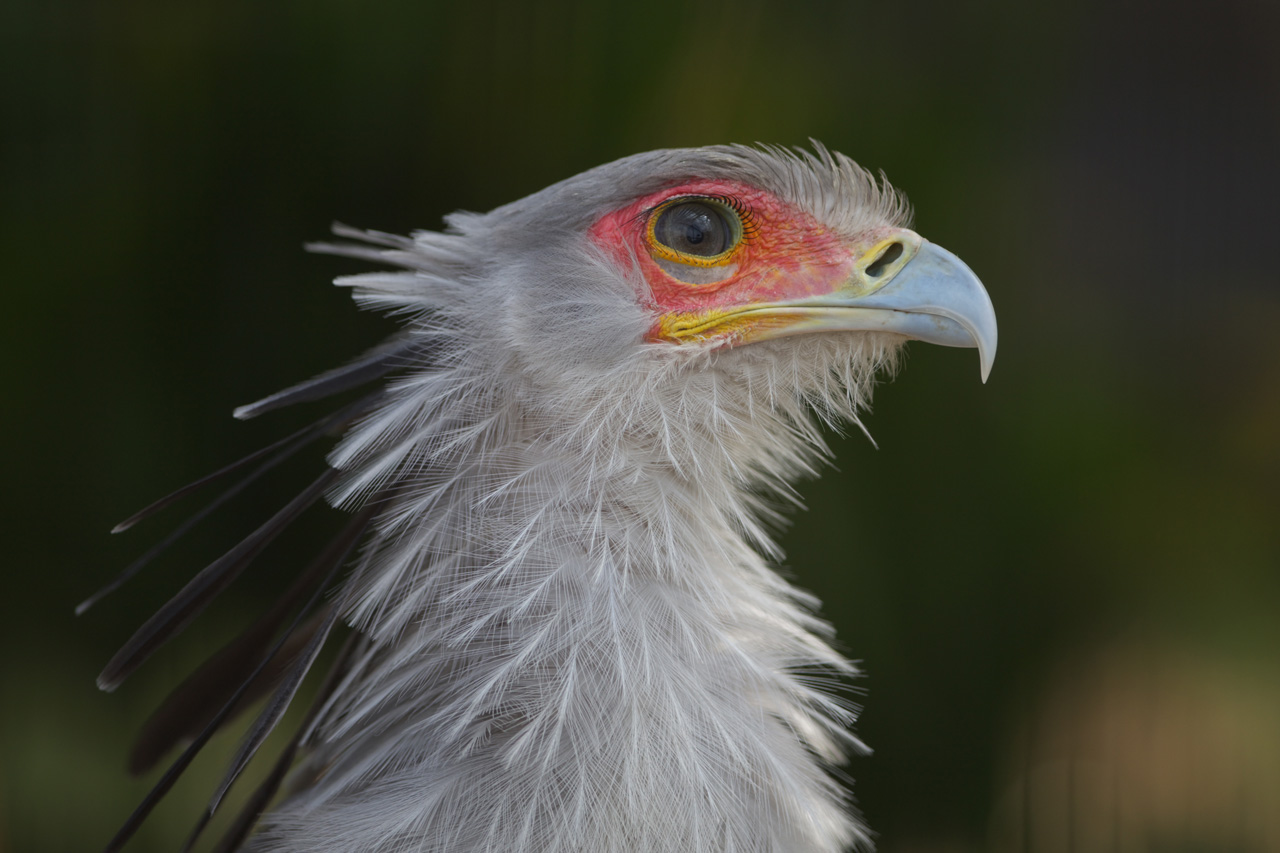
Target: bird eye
{"x":701,"y":232}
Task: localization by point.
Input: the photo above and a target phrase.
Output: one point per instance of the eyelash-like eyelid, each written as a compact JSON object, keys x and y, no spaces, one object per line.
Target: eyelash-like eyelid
{"x":745,"y":214}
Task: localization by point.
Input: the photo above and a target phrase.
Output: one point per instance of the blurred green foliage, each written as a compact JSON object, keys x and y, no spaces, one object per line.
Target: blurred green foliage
{"x":1108,"y":170}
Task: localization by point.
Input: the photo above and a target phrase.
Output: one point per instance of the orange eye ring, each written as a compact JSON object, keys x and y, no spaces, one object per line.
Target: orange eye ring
{"x":692,"y":220}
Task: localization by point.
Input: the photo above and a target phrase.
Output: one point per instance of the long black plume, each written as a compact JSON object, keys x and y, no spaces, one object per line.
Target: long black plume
{"x":178,"y":612}
{"x":270,"y":456}
{"x":333,"y":557}
{"x":377,"y":362}
{"x":257,"y":803}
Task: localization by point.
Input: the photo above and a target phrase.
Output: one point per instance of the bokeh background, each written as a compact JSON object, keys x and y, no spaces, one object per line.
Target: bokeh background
{"x":1064,"y":586}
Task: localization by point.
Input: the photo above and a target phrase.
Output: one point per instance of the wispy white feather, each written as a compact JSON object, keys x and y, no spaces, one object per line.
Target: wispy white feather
{"x":572,"y":640}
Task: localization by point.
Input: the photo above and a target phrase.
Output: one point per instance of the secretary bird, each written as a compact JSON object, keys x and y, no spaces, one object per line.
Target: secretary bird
{"x":565,"y":631}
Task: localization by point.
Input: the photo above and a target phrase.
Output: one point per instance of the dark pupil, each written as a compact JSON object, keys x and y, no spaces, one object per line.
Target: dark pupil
{"x":693,"y":228}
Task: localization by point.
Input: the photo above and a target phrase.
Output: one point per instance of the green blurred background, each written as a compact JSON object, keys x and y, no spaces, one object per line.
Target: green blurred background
{"x":1063,"y":585}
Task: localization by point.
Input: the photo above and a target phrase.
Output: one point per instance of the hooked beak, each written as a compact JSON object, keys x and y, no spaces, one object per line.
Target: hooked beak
{"x":903,"y":284}
{"x":932,"y":297}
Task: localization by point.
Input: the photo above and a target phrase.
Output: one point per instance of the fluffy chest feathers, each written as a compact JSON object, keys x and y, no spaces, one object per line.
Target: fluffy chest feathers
{"x":565,"y":635}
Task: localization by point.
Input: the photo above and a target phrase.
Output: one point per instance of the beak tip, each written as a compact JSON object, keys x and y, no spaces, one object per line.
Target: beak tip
{"x":947,"y":299}
{"x":986,"y":359}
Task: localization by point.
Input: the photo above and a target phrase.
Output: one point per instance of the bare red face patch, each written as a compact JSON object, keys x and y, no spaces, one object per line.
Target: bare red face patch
{"x":776,"y":252}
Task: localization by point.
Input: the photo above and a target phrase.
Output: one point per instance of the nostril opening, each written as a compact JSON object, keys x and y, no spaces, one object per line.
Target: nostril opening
{"x":891,"y":253}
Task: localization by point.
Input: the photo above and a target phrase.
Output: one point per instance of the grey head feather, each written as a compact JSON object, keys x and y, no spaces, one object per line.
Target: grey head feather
{"x":833,"y":187}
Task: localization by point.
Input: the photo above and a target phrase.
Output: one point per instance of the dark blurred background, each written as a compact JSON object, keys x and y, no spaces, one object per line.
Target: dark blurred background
{"x":1064,"y":586}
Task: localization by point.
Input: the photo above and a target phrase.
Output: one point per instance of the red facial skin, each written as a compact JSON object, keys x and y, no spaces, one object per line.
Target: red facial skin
{"x":785,"y":255}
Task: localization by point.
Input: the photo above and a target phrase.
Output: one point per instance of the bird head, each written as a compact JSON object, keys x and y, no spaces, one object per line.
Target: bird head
{"x":728,"y":264}
{"x":679,"y":293}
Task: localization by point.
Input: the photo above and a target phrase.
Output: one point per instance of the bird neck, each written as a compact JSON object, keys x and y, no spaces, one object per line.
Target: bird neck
{"x":591,"y":656}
